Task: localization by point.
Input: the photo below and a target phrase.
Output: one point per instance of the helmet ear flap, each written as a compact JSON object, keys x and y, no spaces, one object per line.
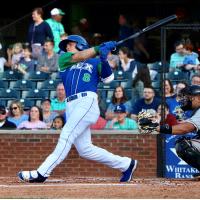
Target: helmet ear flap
{"x":79,"y":46}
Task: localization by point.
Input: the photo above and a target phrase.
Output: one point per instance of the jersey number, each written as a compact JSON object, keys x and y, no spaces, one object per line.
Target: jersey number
{"x":86,"y":77}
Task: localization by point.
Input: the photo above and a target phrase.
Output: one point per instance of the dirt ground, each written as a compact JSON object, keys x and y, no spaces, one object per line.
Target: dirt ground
{"x":100,"y":188}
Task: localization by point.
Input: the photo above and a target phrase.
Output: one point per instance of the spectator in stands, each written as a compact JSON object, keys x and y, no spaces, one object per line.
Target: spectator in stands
{"x":128,"y":63}
{"x":35,"y":120}
{"x":195,"y":79}
{"x":190,"y":62}
{"x":141,"y":45}
{"x":58,"y":123}
{"x":99,"y":125}
{"x":175,"y":106}
{"x":141,"y":80}
{"x":26,"y":63}
{"x":120,"y":121}
{"x":119,"y":97}
{"x":56,"y":26}
{"x":169,"y":90}
{"x":176,"y":59}
{"x":125,"y":30}
{"x":48,"y":115}
{"x":16,"y":114}
{"x":38,"y":32}
{"x":4,"y":123}
{"x":4,"y":64}
{"x":58,"y":104}
{"x":48,"y":61}
{"x":113,"y":61}
{"x":126,"y":59}
{"x":169,"y":118}
{"x":149,"y":101}
{"x":17,"y":54}
{"x":191,"y":58}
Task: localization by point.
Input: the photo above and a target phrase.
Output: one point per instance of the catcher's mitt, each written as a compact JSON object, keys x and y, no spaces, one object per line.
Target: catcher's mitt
{"x":147,"y":122}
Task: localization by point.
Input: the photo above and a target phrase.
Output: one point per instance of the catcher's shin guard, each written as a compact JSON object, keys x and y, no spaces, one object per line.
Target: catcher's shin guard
{"x":189,"y":151}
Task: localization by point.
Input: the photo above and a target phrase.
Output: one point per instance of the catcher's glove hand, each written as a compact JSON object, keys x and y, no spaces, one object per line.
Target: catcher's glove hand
{"x":147,"y":122}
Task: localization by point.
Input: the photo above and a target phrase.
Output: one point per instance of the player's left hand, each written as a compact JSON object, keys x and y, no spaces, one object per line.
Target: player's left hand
{"x":109,"y":45}
{"x":105,"y":48}
{"x":147,"y":123}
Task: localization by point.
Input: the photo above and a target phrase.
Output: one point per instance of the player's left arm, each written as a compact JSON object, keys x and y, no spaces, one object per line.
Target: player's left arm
{"x":178,"y":129}
{"x":105,"y":72}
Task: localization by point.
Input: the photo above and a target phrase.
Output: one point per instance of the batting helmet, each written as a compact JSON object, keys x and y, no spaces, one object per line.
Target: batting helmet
{"x":81,"y":43}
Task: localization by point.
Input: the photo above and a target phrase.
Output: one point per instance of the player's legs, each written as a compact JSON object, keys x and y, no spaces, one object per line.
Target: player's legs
{"x":81,"y":117}
{"x":81,"y":114}
{"x":89,"y":151}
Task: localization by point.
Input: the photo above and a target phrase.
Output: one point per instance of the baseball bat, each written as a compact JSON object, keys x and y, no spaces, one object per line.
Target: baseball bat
{"x":149,"y":28}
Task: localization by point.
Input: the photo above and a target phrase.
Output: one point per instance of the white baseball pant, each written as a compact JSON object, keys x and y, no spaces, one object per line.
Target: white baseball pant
{"x":81,"y":113}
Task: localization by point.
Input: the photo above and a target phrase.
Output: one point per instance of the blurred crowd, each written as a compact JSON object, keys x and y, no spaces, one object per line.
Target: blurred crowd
{"x":137,"y":84}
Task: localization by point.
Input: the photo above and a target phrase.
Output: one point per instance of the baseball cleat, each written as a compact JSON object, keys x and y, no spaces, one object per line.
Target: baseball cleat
{"x":31,"y":176}
{"x":128,"y":174}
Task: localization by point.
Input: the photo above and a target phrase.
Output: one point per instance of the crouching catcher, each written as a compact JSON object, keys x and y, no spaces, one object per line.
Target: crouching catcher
{"x":187,"y":148}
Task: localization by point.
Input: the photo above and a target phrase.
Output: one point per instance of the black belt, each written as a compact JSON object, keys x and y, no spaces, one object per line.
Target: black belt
{"x":74,"y":97}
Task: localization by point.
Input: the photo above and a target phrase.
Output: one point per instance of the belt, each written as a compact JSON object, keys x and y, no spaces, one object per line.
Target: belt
{"x":76,"y":96}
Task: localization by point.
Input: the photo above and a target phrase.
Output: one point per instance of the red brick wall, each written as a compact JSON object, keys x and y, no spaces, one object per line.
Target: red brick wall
{"x":27,"y":151}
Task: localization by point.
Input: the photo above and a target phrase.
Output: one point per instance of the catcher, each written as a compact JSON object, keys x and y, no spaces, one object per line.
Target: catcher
{"x":187,"y":148}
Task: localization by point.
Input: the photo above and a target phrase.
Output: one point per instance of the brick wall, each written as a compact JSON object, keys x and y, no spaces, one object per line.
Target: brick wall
{"x":22,"y":151}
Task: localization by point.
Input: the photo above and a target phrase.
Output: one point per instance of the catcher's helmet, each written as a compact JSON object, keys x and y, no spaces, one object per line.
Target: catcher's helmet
{"x":185,"y":93}
{"x":81,"y":43}
{"x":191,"y":90}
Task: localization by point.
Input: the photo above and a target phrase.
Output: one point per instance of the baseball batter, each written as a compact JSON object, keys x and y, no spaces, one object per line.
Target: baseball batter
{"x":80,"y":73}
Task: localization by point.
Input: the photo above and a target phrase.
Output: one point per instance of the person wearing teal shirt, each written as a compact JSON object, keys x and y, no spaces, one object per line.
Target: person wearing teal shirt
{"x":176,"y":59}
{"x":58,"y":103}
{"x":56,"y":26}
{"x":121,"y":122}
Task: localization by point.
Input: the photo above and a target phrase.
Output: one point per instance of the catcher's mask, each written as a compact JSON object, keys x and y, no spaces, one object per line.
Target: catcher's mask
{"x":186,"y":95}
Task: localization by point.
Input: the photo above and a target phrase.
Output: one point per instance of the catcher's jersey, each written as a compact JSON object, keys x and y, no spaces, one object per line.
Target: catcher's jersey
{"x":195,"y":120}
{"x":79,"y":77}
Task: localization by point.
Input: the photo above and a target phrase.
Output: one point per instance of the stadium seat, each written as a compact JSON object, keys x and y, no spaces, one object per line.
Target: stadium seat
{"x":157,"y":66}
{"x":127,"y":84}
{"x":55,"y":76}
{"x":36,"y":94}
{"x":3,"y":102}
{"x":107,"y":101}
{"x":27,"y":103}
{"x":156,"y":85}
{"x":3,"y":84}
{"x":177,"y":76}
{"x":23,"y":85}
{"x":119,"y":75}
{"x":108,"y":86}
{"x":37,"y":76}
{"x":49,"y":85}
{"x":11,"y":75}
{"x":9,"y":94}
{"x":128,"y":93}
{"x":52,"y":94}
{"x":127,"y":75}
